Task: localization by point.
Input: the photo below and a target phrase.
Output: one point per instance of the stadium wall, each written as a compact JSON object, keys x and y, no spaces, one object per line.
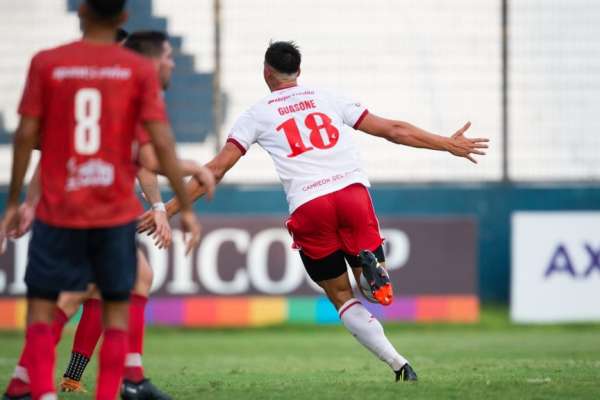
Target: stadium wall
{"x":490,"y":205}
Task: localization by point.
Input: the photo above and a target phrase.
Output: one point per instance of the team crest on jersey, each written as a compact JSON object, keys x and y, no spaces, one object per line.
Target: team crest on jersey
{"x":91,"y":173}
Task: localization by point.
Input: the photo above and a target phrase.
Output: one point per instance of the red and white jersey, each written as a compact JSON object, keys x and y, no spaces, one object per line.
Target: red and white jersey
{"x":305,"y":132}
{"x":89,"y":99}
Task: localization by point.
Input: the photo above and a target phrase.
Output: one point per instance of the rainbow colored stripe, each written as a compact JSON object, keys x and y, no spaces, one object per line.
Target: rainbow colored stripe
{"x":261,"y":311}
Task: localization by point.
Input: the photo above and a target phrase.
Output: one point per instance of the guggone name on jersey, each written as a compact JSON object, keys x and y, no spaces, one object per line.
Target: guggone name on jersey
{"x":301,"y":106}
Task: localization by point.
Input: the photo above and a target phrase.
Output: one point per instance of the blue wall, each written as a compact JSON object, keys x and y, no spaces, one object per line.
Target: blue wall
{"x":490,"y":204}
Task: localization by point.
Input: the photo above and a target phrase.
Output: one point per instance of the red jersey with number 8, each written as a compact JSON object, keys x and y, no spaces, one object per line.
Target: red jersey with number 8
{"x":89,"y":98}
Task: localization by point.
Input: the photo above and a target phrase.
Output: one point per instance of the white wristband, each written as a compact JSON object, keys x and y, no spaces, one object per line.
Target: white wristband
{"x":160,"y":206}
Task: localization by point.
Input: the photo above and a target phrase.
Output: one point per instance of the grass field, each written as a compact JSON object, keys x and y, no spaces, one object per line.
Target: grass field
{"x":491,"y":360}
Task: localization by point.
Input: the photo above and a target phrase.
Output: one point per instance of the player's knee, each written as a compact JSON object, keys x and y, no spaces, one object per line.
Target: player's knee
{"x":69,"y":302}
{"x":339,"y":296}
{"x":115,"y":313}
{"x":40,"y":310}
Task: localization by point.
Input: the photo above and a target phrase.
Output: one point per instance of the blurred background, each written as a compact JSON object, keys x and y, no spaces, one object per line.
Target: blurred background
{"x":519,"y":228}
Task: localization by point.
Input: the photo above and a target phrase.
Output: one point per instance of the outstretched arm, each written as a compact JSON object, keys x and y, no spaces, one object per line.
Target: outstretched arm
{"x":223,"y":162}
{"x":400,"y":132}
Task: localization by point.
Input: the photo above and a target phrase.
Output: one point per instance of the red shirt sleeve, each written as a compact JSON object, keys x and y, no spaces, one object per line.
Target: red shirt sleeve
{"x":141,"y":135}
{"x":152,"y":105}
{"x":31,"y":101}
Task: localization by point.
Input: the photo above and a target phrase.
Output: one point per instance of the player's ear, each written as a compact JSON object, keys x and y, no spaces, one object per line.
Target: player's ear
{"x":267,"y":72}
{"x":298,"y":74}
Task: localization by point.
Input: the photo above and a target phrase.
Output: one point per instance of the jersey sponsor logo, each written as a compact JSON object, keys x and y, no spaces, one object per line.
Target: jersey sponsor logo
{"x":91,"y":173}
{"x":84,"y":72}
{"x":327,"y":181}
{"x":284,"y":98}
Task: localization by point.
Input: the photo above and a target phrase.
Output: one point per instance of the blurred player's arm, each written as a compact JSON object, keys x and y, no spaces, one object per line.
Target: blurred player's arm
{"x":223,"y":162}
{"x":149,"y":183}
{"x":24,"y":142}
{"x":34,"y":190}
{"x":164,"y":146}
{"x":401,"y":132}
{"x":27,"y":208}
{"x":188,"y":168}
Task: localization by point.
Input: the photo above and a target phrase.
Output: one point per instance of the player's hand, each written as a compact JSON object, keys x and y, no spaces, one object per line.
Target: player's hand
{"x":462,"y":146}
{"x":26,"y":216}
{"x":146,"y":223}
{"x":206,"y":177}
{"x":191,"y":230}
{"x":162,"y":233}
{"x":9,"y":225}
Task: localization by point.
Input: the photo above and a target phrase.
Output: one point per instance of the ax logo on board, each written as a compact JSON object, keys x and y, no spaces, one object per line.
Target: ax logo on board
{"x":555,"y":271}
{"x":562,"y":263}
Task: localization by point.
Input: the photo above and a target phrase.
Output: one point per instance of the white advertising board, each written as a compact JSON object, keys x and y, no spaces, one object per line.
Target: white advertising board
{"x":555,"y":267}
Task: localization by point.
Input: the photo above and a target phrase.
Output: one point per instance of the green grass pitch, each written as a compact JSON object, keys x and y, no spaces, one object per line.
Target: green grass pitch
{"x":491,"y":360}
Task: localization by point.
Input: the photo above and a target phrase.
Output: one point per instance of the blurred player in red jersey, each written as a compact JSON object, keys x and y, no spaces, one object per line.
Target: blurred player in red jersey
{"x":156,"y":47}
{"x":332,"y":220}
{"x":81,"y":104}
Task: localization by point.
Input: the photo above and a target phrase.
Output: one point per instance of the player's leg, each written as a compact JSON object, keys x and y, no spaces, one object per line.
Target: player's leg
{"x":67,"y":305}
{"x":19,"y":384}
{"x":134,"y":371}
{"x":135,"y":384}
{"x":39,"y":343}
{"x":114,"y":260}
{"x":55,"y":263}
{"x":331,"y":274}
{"x":359,"y":231}
{"x":87,"y":334}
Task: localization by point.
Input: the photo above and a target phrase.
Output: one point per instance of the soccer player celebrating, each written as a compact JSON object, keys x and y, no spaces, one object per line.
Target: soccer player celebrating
{"x":81,"y":104}
{"x":332,"y":218}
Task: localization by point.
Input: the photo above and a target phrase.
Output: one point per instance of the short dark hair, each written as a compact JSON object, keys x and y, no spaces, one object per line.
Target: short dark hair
{"x":106,"y":9}
{"x":284,"y":57}
{"x":121,"y":35}
{"x":147,"y":43}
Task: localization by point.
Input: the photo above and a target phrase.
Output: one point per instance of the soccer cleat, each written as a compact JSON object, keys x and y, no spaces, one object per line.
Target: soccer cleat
{"x":26,"y":396}
{"x":71,"y":385}
{"x":377,"y":277}
{"x":406,"y":373}
{"x":143,"y":390}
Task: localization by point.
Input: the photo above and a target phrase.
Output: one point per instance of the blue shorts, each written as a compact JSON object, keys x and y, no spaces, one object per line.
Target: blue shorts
{"x":66,"y":259}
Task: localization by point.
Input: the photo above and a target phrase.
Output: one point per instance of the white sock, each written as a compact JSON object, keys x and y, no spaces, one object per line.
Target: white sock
{"x":369,"y":332}
{"x":21,"y":373}
{"x":133,"y":360}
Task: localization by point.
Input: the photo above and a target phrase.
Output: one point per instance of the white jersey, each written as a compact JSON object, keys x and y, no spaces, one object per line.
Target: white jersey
{"x":305,"y":131}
